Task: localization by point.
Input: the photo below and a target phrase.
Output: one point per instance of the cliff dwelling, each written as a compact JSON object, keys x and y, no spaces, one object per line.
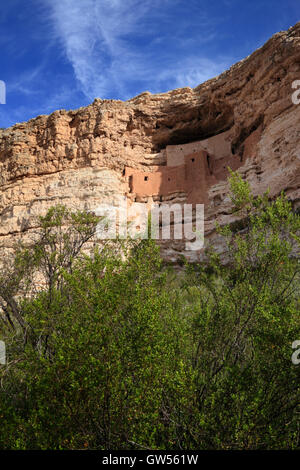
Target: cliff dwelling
{"x":189,"y":168}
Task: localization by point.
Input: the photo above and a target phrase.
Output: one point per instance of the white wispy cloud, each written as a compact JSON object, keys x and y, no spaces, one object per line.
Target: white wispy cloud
{"x":26,"y":83}
{"x":116,"y":46}
{"x":42,"y":105}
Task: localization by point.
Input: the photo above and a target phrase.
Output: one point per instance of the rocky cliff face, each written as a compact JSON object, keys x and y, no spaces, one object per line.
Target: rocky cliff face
{"x":78,"y":158}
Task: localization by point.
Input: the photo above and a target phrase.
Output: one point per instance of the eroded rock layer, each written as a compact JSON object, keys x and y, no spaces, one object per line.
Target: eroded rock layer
{"x":244,"y":118}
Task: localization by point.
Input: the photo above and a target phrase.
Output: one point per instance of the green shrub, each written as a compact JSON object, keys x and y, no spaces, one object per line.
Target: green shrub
{"x":118,"y":352}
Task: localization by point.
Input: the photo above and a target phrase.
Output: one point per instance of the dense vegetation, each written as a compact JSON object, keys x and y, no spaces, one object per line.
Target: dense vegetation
{"x":120,"y":352}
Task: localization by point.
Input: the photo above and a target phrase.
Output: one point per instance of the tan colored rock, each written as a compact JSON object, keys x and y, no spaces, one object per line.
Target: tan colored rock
{"x":244,"y":117}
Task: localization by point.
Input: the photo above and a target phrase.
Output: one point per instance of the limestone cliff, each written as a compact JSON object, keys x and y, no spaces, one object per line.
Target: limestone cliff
{"x":245,"y":117}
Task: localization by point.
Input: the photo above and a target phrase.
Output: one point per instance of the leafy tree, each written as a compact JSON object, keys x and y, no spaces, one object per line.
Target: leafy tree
{"x":116,"y":351}
{"x":246,"y":317}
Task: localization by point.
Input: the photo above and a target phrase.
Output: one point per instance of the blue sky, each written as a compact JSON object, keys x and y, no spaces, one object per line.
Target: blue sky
{"x":63,"y":53}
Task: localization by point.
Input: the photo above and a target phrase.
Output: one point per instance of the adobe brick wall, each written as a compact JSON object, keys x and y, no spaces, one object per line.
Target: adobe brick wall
{"x":192,"y":178}
{"x":190,"y":169}
{"x":217,"y":145}
{"x":176,"y":153}
{"x":144,"y":183}
{"x":220,"y":165}
{"x":162,"y":181}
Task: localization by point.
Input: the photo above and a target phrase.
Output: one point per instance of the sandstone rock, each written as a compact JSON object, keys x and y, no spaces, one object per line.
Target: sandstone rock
{"x":245,"y":117}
